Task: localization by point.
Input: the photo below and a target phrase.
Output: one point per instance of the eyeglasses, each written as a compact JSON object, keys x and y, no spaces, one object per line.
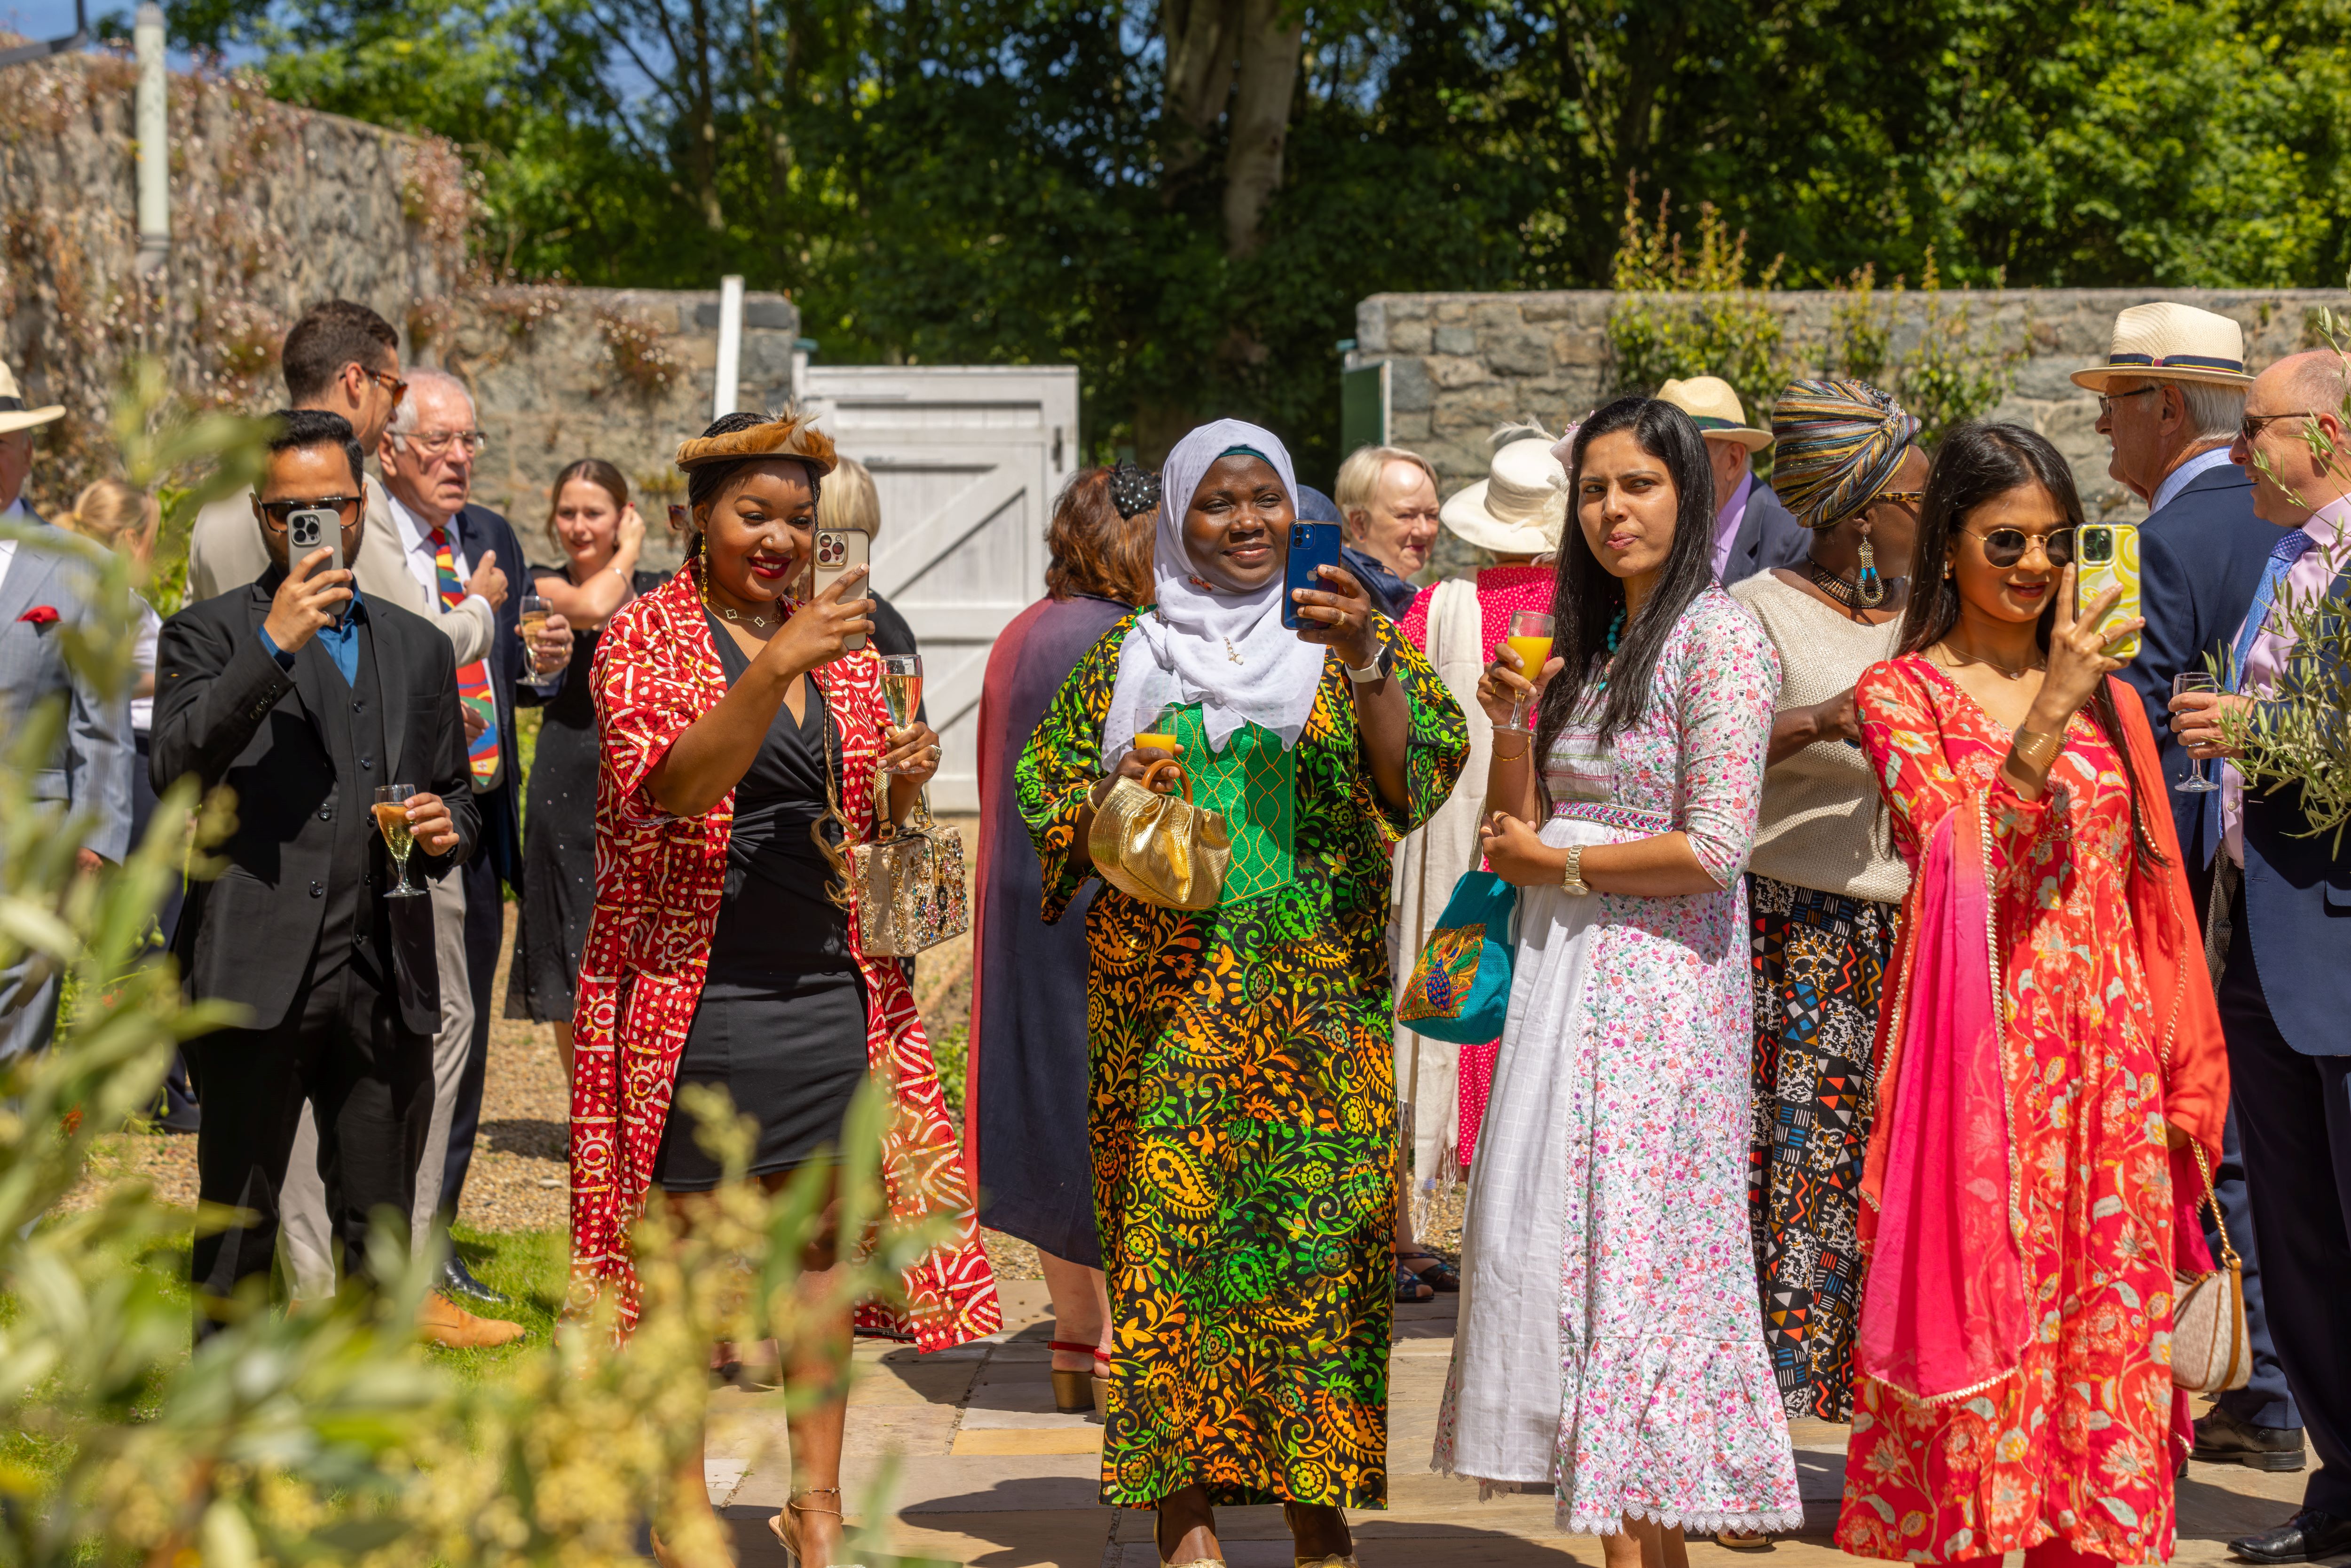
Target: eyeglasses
{"x":2254,"y":424}
{"x":276,"y":513}
{"x":388,"y":382}
{"x":1899,"y":498}
{"x":435,"y":441}
{"x":2006,"y":547}
{"x":2106,"y":400}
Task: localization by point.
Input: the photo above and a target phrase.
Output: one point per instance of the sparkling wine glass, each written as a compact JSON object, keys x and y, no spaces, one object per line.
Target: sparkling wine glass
{"x":391,"y":821}
{"x":901,"y":687}
{"x":533,"y":615}
{"x":2200,"y":779}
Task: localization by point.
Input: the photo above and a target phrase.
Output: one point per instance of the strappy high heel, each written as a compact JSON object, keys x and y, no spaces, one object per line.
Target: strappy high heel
{"x":1076,"y":1392}
{"x":789,"y":1539}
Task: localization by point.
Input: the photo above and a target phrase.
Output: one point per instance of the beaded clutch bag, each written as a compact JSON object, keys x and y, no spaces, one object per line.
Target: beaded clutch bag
{"x":910,"y":886}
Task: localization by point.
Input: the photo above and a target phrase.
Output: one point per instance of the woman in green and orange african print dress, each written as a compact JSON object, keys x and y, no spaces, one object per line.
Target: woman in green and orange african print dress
{"x":1243,"y":1097}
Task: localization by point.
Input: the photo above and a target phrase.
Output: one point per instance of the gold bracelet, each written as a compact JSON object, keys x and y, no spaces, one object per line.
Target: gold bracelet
{"x":1518,"y":756}
{"x":2037,"y":748}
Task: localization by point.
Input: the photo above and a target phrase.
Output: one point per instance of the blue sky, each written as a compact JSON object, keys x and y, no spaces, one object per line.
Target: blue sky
{"x":55,"y":18}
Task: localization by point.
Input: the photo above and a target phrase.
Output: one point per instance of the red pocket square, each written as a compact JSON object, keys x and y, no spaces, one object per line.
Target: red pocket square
{"x":40,"y":614}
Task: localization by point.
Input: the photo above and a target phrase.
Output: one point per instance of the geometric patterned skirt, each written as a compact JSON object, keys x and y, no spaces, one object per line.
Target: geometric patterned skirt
{"x":1818,"y":968}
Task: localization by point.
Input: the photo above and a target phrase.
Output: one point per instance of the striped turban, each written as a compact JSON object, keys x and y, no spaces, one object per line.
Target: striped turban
{"x":1835,"y":444}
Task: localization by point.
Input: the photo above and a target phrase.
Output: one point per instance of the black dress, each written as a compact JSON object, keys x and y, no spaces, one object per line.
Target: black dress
{"x":558,"y":838}
{"x":781,"y":1021}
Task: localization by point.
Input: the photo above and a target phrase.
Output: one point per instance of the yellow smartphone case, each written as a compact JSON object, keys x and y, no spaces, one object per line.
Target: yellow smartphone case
{"x":2091,"y":580}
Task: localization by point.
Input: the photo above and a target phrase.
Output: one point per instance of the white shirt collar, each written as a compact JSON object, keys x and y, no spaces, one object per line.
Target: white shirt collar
{"x":2179,"y":478}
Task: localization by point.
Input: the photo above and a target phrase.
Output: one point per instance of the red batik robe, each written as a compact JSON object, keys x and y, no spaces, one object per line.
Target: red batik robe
{"x":658,"y":882}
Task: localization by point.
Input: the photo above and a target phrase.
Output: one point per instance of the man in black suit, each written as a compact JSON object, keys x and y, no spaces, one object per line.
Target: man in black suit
{"x":304,"y":699}
{"x":427,"y":458}
{"x":2201,"y":551}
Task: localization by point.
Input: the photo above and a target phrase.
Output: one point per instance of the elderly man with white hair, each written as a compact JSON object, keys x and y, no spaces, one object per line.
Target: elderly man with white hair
{"x":445,"y":543}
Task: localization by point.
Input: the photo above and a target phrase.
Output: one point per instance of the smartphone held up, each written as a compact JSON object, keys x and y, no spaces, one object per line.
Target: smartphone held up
{"x":2110,"y":559}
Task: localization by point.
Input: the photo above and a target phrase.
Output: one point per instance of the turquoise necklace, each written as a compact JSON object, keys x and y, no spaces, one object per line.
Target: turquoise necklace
{"x":1616,"y":630}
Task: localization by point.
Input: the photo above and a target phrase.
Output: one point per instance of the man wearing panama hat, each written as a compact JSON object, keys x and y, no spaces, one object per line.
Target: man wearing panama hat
{"x":40,"y":598}
{"x":2172,"y":396}
{"x":1752,"y":531}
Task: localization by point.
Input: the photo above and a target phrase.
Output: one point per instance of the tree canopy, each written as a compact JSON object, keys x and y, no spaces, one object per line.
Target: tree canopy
{"x":1186,"y":199}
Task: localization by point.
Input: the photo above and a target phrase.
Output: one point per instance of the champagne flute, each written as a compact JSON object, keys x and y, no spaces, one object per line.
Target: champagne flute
{"x":2200,"y":779}
{"x":1529,"y":638}
{"x":534,"y":613}
{"x":901,"y":687}
{"x":391,"y":821}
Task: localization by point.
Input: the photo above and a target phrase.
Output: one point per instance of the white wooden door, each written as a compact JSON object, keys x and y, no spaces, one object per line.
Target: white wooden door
{"x":967,"y":460}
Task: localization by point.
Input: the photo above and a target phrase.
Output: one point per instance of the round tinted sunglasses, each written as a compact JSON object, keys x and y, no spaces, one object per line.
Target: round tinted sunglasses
{"x":2006,"y":547}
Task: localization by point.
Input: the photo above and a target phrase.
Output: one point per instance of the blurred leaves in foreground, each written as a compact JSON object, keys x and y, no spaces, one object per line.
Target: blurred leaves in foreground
{"x":325,"y":1434}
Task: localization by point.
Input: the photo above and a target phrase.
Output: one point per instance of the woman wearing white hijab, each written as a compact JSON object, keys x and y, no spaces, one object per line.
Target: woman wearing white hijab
{"x":1243,"y":1092}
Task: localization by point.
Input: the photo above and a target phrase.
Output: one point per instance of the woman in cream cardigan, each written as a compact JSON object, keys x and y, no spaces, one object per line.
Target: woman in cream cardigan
{"x":1515,"y":513}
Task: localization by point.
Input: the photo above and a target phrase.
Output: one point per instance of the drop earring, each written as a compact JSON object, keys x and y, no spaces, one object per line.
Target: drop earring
{"x":1871,"y":588}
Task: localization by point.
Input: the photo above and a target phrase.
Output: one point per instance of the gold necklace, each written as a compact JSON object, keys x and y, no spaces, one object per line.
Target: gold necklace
{"x":758,"y":622}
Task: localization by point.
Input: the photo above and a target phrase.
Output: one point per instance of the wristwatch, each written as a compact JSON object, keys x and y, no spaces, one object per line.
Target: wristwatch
{"x":1571,"y":876}
{"x":1377,"y":670}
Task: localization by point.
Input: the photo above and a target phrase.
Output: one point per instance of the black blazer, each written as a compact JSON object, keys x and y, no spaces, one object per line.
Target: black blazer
{"x":225,"y":712}
{"x":480,"y":530}
{"x":2200,"y":562}
{"x":1769,"y":536}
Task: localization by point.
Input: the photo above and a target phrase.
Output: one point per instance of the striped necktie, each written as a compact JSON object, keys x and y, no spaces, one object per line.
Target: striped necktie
{"x":2283,"y":555}
{"x":473,"y":679}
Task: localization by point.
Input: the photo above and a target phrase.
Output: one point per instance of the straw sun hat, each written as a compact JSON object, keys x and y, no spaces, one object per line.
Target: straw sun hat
{"x":2164,"y":342}
{"x":1714,"y":409}
{"x":14,"y":414}
{"x":1519,"y":509}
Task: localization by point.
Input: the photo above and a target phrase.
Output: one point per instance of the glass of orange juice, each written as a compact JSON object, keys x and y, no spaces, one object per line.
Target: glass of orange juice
{"x":1159,"y":739}
{"x":1529,"y":638}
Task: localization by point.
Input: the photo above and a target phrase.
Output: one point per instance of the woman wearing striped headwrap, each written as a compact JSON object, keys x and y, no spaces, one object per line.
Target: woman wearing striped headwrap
{"x":1824,"y":883}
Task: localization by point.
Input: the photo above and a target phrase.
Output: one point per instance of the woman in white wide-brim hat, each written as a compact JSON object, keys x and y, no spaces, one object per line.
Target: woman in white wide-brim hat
{"x":1516,"y":513}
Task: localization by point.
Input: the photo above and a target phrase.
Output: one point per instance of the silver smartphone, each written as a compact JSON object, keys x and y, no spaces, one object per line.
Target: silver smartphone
{"x":310,"y":529}
{"x":838,"y":550}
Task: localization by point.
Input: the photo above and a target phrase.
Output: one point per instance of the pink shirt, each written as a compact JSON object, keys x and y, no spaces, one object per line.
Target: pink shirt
{"x":2303,"y":582}
{"x":1502,"y":591}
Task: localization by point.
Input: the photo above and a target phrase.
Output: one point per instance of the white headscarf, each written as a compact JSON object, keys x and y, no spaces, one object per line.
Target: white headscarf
{"x":1228,"y":652}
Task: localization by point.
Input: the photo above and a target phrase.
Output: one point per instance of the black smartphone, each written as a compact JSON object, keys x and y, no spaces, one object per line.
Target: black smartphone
{"x":1312,"y":546}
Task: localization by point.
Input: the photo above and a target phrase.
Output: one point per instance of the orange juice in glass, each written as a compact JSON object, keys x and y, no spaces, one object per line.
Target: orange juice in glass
{"x":1529,"y":638}
{"x":1158,"y":739}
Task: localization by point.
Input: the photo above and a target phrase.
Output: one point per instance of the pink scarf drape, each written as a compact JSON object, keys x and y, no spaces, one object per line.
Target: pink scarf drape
{"x":1946,"y":1314}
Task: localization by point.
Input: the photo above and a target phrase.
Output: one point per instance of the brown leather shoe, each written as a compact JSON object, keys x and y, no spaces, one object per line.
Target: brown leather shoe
{"x":444,"y":1322}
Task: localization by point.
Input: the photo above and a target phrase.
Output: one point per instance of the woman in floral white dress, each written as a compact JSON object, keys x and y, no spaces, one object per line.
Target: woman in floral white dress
{"x":1607,"y":1235}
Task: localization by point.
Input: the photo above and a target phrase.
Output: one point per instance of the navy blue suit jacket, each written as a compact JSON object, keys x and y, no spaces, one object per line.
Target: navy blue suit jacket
{"x":2298,"y":913}
{"x":2201,"y":560}
{"x":479,"y":529}
{"x":1768,"y":535}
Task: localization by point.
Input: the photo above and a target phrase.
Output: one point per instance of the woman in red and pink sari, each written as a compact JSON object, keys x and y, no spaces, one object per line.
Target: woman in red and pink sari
{"x":2048,"y":1060}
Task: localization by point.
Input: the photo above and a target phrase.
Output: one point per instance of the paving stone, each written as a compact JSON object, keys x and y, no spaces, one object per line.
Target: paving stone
{"x":1082,"y":1439}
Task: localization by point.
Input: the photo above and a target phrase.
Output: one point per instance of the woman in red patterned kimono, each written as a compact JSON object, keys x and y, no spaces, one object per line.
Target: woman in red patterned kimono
{"x":741,"y":746}
{"x":2050,"y":1060}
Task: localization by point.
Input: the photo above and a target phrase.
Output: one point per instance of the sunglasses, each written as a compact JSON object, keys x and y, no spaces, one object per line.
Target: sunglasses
{"x":2254,"y":424}
{"x":1899,"y":498}
{"x":277,"y":513}
{"x":2005,"y":548}
{"x":388,"y":382}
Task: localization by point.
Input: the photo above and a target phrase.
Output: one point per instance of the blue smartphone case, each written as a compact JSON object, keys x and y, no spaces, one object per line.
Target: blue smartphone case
{"x":1312,"y":545}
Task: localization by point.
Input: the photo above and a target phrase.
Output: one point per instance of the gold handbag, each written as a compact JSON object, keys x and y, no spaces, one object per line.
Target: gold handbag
{"x":2209,"y":1348}
{"x":1161,"y":849}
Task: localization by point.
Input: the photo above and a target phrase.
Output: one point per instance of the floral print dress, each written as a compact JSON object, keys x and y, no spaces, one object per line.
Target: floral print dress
{"x":1609,"y":1349}
{"x":1243,"y":1114}
{"x":2072,"y":1446}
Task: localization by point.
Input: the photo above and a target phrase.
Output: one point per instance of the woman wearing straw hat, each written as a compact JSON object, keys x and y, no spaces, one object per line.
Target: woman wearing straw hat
{"x":1824,"y":883}
{"x":1515,"y":513}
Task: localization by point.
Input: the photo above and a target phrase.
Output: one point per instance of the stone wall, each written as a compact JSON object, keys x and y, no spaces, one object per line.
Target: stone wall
{"x":276,"y":207}
{"x":1463,"y":363}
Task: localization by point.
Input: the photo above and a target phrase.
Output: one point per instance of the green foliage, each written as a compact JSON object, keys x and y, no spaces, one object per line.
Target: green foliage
{"x":325,"y":1435}
{"x":994,"y":181}
{"x":1947,"y":379}
{"x":1680,"y":314}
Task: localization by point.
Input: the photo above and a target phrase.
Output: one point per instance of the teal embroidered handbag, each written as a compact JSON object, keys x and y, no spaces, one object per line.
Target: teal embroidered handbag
{"x":1461,"y":985}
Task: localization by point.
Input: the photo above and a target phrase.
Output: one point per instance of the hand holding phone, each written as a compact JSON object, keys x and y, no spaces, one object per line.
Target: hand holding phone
{"x":2110,"y":559}
{"x":1312,"y":545}
{"x":836,"y":551}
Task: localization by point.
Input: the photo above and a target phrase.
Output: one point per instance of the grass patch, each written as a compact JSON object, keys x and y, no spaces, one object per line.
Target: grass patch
{"x":531,"y":1269}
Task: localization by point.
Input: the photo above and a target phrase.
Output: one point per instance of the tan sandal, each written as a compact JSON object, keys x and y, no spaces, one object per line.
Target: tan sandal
{"x":1078,"y":1392}
{"x":1329,"y":1559}
{"x":792,"y":1504}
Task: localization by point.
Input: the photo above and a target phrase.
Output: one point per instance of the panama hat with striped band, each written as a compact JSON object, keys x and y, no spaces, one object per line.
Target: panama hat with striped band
{"x":2164,"y":342}
{"x":1714,"y":409}
{"x":14,"y":414}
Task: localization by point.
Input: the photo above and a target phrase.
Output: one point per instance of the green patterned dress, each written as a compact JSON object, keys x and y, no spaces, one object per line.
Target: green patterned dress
{"x":1243,"y":1099}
